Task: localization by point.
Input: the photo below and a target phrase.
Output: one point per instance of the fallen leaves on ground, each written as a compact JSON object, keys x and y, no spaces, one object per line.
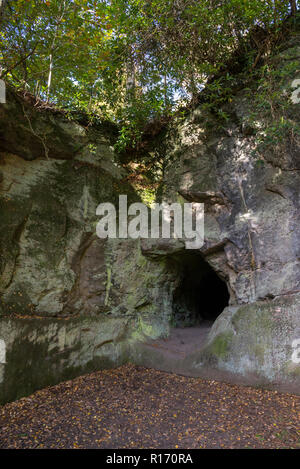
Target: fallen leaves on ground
{"x":135,"y":407}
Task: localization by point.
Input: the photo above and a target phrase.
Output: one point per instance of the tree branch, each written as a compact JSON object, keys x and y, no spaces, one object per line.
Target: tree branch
{"x":22,"y":60}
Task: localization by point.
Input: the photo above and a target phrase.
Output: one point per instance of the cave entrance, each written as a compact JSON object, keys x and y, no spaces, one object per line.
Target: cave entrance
{"x":201,"y":294}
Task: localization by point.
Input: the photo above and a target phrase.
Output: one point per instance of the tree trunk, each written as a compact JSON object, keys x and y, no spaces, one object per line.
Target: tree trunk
{"x":2,"y":8}
{"x":130,"y":78}
{"x":293,"y":4}
{"x":49,"y":76}
{"x":52,"y":49}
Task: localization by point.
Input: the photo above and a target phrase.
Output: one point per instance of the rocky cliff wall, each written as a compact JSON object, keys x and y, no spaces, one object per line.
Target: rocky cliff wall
{"x":245,"y":168}
{"x":71,"y":302}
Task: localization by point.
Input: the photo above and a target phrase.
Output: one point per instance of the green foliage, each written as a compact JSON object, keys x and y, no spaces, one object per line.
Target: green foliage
{"x":130,"y":61}
{"x":273,"y":113}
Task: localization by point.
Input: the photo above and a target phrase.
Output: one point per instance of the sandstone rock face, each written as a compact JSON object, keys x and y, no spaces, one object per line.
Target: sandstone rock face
{"x":251,"y":193}
{"x":70,"y":302}
{"x":249,"y":181}
{"x":252,"y":230}
{"x":256,"y":342}
{"x":43,"y":352}
{"x":76,"y":303}
{"x":52,"y":262}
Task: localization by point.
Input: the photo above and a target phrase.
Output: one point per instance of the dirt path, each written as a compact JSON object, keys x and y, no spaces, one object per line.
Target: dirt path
{"x":135,"y":407}
{"x":183,"y":341}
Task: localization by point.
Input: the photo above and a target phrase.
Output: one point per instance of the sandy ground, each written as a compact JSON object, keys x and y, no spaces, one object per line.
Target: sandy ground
{"x":183,"y":341}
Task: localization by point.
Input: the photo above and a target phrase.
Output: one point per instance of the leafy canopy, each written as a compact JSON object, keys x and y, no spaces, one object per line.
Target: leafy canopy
{"x":127,"y":60}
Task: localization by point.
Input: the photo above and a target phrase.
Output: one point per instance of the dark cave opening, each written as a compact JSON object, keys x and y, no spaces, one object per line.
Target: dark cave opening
{"x":201,"y":294}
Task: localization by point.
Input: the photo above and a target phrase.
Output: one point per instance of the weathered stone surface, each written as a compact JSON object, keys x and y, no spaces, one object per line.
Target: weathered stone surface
{"x":255,"y":226}
{"x":255,"y":342}
{"x":70,"y":302}
{"x":41,"y":352}
{"x":251,"y":344}
{"x":252,"y":236}
{"x":51,"y":261}
{"x":95,"y":301}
